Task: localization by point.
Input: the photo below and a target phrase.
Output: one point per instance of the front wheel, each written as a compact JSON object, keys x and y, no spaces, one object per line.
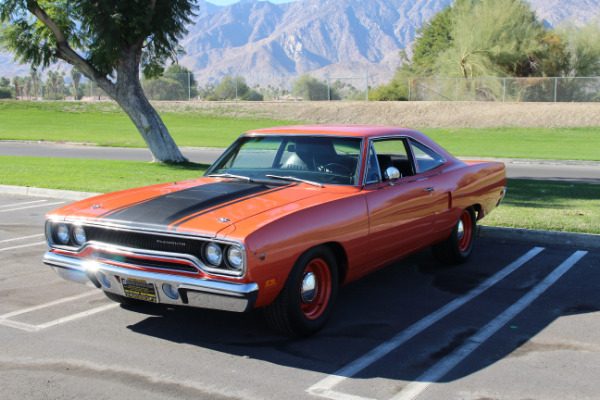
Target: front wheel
{"x":306,"y":300}
{"x":457,"y":248}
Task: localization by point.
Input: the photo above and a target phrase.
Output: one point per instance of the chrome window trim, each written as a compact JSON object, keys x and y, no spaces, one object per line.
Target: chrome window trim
{"x":413,"y":159}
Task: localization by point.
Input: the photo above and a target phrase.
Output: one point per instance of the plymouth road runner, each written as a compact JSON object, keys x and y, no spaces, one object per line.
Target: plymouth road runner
{"x":283,"y":218}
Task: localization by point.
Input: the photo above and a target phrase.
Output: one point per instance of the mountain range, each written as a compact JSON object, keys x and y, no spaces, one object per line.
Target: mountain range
{"x":269,"y":43}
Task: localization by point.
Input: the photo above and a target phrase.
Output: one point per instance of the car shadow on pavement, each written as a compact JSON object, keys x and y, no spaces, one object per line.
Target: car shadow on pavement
{"x":373,"y":310}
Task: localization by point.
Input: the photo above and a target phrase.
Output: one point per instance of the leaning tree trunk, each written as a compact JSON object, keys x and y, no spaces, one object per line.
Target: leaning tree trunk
{"x":131,"y":97}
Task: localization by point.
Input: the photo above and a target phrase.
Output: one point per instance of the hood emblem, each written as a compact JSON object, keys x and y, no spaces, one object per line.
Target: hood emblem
{"x":224,"y":220}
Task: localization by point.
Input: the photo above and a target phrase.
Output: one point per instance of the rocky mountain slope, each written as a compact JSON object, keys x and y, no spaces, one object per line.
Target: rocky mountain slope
{"x":268,"y":43}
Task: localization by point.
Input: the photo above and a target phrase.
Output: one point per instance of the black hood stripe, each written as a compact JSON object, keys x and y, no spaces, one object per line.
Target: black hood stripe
{"x":184,"y":205}
{"x":188,"y":218}
{"x":106,"y":214}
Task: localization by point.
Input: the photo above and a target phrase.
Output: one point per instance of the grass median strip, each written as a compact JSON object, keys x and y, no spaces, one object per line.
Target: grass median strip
{"x":544,"y":205}
{"x":549,"y":206}
{"x":100,"y":176}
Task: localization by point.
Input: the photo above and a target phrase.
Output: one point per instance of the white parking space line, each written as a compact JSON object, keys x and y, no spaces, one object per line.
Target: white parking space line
{"x":325,"y":388}
{"x":35,"y":328}
{"x":21,"y":238}
{"x":49,"y":304}
{"x":4,"y":319}
{"x":23,"y":203}
{"x":435,"y":373}
{"x":22,"y":245}
{"x":36,"y":206}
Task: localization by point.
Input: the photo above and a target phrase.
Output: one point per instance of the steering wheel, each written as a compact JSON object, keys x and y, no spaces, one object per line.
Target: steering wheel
{"x":341,"y":169}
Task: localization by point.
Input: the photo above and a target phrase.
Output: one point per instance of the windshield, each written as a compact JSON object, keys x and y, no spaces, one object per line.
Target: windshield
{"x":319,"y":159}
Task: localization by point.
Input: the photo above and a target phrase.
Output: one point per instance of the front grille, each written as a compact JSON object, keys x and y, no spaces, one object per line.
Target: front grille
{"x":145,"y":262}
{"x":145,"y":241}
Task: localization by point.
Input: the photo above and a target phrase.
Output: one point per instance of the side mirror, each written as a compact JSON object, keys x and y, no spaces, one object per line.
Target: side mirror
{"x":391,"y":174}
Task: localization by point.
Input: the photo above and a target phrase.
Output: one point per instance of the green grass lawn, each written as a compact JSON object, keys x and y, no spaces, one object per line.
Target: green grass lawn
{"x":105,"y":124}
{"x":537,"y":143}
{"x":96,"y":176}
{"x":549,"y":206}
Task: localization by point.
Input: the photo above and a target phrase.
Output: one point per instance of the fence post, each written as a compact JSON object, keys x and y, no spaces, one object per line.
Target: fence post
{"x":456,"y":95}
{"x":367,"y":85}
{"x":328,"y":87}
{"x":189,"y":86}
{"x":236,"y":96}
{"x":555,"y":88}
{"x":408,"y":89}
{"x":503,"y":89}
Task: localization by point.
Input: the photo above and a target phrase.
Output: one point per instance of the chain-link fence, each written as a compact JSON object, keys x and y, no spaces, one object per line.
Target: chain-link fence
{"x":308,"y":87}
{"x":505,"y":89}
{"x":191,"y":86}
{"x":224,"y":87}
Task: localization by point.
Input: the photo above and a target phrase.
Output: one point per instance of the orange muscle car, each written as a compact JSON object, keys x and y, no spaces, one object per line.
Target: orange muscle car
{"x":282,"y":219}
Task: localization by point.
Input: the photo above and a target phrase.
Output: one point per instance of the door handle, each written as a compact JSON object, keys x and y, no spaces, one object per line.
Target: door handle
{"x":429,"y":189}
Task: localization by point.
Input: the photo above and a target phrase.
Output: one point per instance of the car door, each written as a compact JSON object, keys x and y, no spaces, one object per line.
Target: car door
{"x":401,"y":212}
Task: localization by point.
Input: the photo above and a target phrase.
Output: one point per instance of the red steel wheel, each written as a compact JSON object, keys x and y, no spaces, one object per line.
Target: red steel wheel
{"x":315,"y":288}
{"x":307,"y":298}
{"x":457,"y":248}
{"x":465,"y":230}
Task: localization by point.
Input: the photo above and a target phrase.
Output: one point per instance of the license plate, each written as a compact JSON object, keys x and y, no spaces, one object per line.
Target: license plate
{"x":139,"y":289}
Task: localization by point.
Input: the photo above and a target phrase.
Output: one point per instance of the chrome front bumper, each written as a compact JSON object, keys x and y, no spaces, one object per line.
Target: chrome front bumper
{"x":194,"y":292}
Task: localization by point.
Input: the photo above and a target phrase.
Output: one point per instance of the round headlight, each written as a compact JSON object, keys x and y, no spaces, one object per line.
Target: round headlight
{"x":62,"y":233}
{"x":214,"y":254}
{"x":235,"y":257}
{"x":79,"y":235}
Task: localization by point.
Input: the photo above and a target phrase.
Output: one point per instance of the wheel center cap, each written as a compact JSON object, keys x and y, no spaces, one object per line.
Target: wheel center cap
{"x":461,"y":229}
{"x":308,"y":287}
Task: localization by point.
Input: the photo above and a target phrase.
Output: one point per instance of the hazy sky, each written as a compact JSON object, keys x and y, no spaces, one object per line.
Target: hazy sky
{"x":228,"y":2}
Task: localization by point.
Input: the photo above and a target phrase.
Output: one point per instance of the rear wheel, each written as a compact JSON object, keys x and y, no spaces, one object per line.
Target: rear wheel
{"x":306,"y":300}
{"x":457,"y":248}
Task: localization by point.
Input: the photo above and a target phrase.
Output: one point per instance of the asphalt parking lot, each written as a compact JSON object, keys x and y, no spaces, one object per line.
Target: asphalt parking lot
{"x":520,"y":320}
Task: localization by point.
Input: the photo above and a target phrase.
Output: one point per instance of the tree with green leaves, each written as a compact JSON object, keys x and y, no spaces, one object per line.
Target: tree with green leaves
{"x":312,"y":89}
{"x":492,"y":38}
{"x":76,"y":79}
{"x":233,"y":88}
{"x":166,"y":89}
{"x":185,"y":77}
{"x":108,"y":41}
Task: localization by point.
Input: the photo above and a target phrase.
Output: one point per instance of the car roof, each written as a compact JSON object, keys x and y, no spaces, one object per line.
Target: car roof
{"x":341,"y":130}
{"x":359,"y":131}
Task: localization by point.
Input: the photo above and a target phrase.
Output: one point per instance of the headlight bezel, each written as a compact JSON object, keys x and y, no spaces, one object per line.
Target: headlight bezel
{"x":235,"y":262}
{"x":210,"y":250}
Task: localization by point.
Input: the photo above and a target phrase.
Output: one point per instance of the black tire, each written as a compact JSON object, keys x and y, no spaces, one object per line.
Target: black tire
{"x":304,"y":312}
{"x":457,"y":248}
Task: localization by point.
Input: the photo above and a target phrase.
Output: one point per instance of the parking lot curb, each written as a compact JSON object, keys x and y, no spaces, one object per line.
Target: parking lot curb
{"x":40,"y":192}
{"x":581,"y":240}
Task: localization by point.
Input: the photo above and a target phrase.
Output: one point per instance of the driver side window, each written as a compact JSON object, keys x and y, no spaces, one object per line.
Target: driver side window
{"x":385,"y":153}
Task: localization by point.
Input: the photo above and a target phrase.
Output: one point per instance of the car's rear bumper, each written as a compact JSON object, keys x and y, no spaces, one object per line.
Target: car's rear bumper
{"x":193,"y":292}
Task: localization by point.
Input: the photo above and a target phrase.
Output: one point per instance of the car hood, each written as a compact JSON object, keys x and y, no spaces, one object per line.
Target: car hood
{"x":203,"y":206}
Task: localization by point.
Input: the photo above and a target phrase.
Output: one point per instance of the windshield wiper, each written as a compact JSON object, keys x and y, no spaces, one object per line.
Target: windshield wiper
{"x":294,"y":179}
{"x":232,"y":176}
